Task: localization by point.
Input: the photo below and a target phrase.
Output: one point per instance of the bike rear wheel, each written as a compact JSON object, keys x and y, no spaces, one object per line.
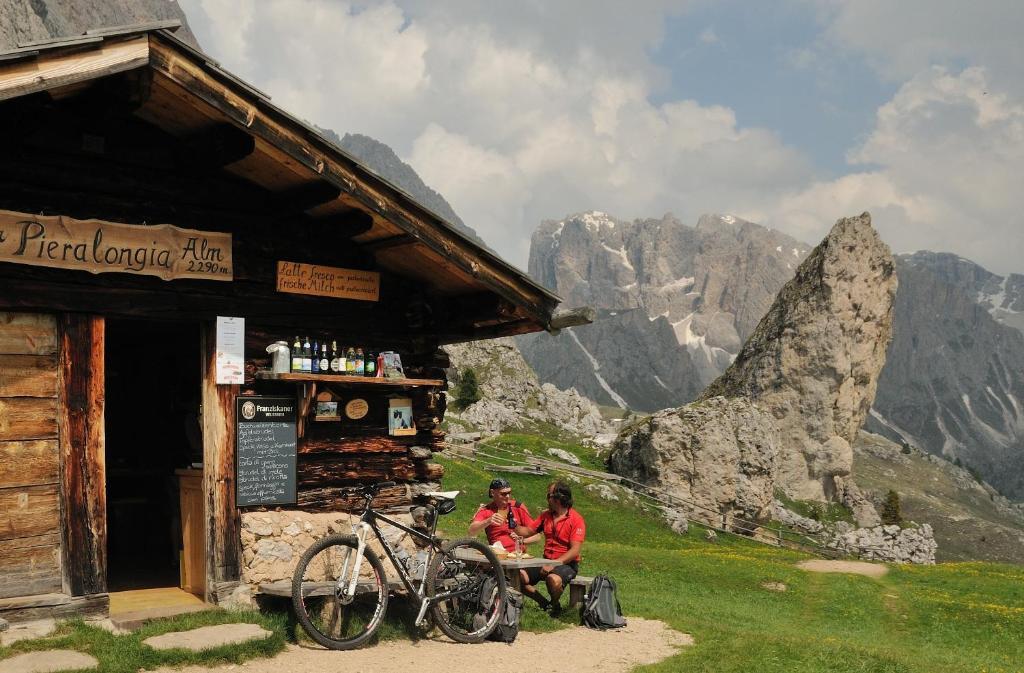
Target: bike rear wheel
{"x":320,"y":584}
{"x":467,"y":615}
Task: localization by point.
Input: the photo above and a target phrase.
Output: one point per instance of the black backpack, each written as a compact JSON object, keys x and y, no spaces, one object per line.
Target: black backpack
{"x":600,"y":609}
{"x":507,"y":628}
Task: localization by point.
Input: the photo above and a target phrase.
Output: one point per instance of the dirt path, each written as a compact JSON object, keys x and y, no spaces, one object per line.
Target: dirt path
{"x":579,"y":649}
{"x":852,"y":567}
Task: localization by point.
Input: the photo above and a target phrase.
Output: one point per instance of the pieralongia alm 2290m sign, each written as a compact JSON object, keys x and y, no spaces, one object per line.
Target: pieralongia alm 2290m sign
{"x":96,"y":246}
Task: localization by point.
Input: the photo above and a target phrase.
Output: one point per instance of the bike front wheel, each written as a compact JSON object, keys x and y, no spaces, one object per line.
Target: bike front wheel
{"x":325,"y":608}
{"x":467,"y":578}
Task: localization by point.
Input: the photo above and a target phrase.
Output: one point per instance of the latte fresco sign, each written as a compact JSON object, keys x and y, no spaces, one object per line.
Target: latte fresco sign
{"x":328,"y":281}
{"x":96,"y":246}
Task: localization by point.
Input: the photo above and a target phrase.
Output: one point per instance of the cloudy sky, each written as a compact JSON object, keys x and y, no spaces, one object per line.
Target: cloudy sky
{"x":790,"y":114}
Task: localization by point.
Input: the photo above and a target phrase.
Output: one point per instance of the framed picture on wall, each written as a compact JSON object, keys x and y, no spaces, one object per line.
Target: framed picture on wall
{"x":400,"y":417}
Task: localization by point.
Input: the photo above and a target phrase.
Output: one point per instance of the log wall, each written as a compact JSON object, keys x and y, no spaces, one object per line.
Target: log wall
{"x":30,"y":544}
{"x":334,"y":456}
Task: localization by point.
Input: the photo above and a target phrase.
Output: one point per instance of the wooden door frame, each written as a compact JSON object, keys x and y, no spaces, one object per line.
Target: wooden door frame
{"x":223,"y":545}
{"x":80,"y":420}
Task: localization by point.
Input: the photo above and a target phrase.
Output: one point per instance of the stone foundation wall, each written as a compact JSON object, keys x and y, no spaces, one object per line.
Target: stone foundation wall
{"x":272,"y":542}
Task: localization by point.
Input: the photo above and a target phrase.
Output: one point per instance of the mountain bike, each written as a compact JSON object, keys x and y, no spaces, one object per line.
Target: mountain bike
{"x":340,"y":590}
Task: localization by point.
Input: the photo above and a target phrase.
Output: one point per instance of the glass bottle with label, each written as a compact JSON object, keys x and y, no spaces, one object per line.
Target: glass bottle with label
{"x":307,"y":357}
{"x":370,"y":364}
{"x":325,"y":360}
{"x":350,"y":363}
{"x":335,"y":358}
{"x":297,"y":356}
{"x":360,"y":363}
{"x":316,"y":357}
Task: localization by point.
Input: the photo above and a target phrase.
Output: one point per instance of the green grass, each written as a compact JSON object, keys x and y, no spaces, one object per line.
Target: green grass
{"x":829,"y":512}
{"x":126,"y":653}
{"x":547,"y":437}
{"x":939,"y":619}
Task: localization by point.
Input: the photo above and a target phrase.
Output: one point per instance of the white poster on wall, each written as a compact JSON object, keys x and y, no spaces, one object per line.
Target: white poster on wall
{"x":230,"y":350}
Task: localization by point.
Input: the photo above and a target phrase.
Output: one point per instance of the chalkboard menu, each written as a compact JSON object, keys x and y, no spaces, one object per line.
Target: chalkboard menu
{"x":265,"y":450}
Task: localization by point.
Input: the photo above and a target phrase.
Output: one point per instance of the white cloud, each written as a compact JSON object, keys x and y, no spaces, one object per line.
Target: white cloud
{"x":901,"y":39}
{"x":947,"y":153}
{"x":514,"y":117}
{"x":518,"y":112}
{"x":708,"y":36}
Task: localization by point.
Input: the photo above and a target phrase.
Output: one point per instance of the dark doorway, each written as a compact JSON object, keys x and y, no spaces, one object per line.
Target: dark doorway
{"x":153,"y":378}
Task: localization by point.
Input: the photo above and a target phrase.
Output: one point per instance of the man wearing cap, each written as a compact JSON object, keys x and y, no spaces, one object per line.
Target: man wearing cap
{"x":501,"y":515}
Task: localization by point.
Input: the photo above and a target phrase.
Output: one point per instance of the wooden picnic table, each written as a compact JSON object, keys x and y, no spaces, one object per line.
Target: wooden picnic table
{"x":511,"y":566}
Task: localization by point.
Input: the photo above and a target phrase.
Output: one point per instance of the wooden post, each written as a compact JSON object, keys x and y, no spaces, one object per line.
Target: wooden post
{"x":83,"y":454}
{"x":222,"y":521}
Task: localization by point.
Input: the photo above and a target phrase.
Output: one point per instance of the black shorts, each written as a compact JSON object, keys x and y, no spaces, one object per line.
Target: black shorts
{"x":567,"y":571}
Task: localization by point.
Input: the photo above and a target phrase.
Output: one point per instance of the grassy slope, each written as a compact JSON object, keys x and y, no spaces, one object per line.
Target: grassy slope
{"x":967,"y":524}
{"x":964,"y":617}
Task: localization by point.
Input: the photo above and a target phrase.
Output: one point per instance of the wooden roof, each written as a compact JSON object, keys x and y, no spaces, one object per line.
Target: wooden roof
{"x":188,"y":95}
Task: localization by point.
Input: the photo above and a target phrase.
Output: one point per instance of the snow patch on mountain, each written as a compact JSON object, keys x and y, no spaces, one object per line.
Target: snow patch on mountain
{"x":597,"y":372}
{"x":684,"y":283}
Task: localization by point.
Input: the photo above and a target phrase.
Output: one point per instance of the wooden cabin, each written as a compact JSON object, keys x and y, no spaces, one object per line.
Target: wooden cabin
{"x":161,"y":224}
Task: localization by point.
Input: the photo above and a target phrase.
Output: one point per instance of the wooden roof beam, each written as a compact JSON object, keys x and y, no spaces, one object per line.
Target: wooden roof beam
{"x":218,"y":146}
{"x":49,"y":71}
{"x":388,"y":242}
{"x":307,"y":196}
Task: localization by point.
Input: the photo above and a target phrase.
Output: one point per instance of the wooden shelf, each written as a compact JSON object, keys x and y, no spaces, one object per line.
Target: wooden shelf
{"x":349,"y":380}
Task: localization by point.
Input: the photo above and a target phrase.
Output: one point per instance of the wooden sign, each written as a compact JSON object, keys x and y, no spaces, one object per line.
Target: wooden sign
{"x":96,"y":246}
{"x":328,"y":281}
{"x":357,"y":409}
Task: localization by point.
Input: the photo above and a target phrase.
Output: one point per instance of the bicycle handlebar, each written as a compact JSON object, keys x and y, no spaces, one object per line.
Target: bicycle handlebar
{"x":368,"y":491}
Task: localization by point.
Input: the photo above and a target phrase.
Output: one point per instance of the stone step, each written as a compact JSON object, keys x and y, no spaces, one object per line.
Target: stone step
{"x":129,"y":621}
{"x":207,"y":637}
{"x":48,"y":661}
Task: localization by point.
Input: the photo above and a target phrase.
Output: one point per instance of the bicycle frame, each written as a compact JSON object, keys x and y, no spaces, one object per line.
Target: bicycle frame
{"x":369,"y":522}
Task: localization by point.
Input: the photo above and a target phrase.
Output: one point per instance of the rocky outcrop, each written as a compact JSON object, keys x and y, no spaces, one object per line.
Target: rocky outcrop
{"x":674,"y":302}
{"x":38,"y":20}
{"x":813,"y":361}
{"x":788,"y":517}
{"x":719,"y":457}
{"x":888,"y":543}
{"x":954,"y":382}
{"x":511,"y":395}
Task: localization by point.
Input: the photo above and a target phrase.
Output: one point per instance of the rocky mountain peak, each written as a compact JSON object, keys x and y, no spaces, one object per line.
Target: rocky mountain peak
{"x":814,"y":359}
{"x":675,"y":302}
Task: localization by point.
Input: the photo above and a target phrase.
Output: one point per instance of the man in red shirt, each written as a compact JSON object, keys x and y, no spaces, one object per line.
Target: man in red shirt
{"x":564,"y":531}
{"x":500,"y":516}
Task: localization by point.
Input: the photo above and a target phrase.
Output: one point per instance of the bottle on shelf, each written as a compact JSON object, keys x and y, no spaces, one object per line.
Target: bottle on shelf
{"x":315,"y":358}
{"x":350,"y":363}
{"x":325,"y":359}
{"x":297,"y":356}
{"x":336,"y":367}
{"x":370,"y":364}
{"x":380,"y":365}
{"x":307,"y":357}
{"x":360,"y":363}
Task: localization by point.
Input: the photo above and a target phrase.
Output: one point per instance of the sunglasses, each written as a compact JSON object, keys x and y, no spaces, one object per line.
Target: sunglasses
{"x":505,"y":493}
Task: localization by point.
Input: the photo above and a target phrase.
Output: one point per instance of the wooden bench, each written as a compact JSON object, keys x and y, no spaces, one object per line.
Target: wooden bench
{"x":577,"y":589}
